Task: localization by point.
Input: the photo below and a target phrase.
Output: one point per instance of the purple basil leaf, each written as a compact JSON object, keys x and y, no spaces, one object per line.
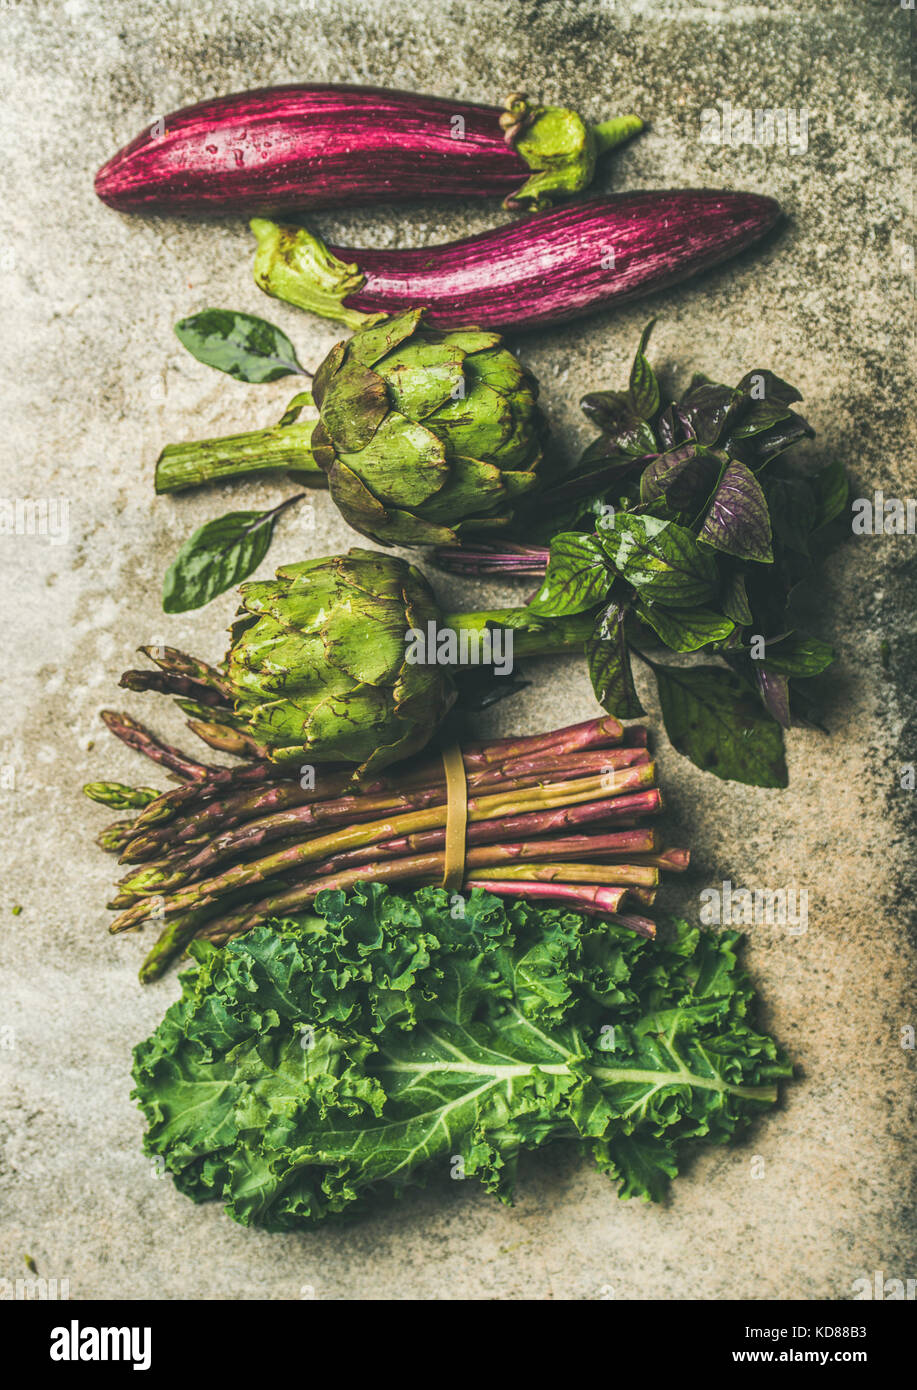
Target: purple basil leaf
{"x":775,"y":693}
{"x":709,"y":409}
{"x":665,"y":428}
{"x":762,"y":416}
{"x":738,"y":521}
{"x":784,"y":434}
{"x":609,"y":665}
{"x":684,"y":421}
{"x":759,"y":449}
{"x":600,"y":467}
{"x":610,"y":411}
{"x":659,"y":475}
{"x":760,"y":384}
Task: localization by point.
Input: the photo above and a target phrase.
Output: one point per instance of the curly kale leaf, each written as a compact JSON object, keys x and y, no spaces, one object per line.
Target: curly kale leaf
{"x":319,"y":1063}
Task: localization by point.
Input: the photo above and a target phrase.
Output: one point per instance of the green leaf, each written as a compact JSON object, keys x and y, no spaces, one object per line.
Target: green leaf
{"x":793,"y":512}
{"x":317,"y":1065}
{"x":609,"y":666}
{"x":714,"y":718}
{"x":662,"y":560}
{"x":735,"y":599}
{"x":643,"y":391}
{"x":762,"y":416}
{"x":831,"y":489}
{"x":243,"y":346}
{"x":798,"y":655}
{"x":686,"y":629}
{"x":577,"y":576}
{"x":639,"y":441}
{"x":300,"y":402}
{"x":218,"y":555}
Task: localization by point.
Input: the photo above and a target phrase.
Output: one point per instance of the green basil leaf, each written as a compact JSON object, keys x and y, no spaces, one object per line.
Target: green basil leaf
{"x":638,"y":442}
{"x":662,"y":560}
{"x":643,"y":391}
{"x":218,"y":555}
{"x":577,"y":577}
{"x":243,"y":346}
{"x":714,"y":718}
{"x":735,"y":599}
{"x":686,"y":629}
{"x":831,"y":490}
{"x":793,"y":512}
{"x":798,"y":655}
{"x":609,"y":666}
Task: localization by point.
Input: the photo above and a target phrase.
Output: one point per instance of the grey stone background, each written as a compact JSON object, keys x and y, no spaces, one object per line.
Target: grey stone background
{"x":95,"y":383}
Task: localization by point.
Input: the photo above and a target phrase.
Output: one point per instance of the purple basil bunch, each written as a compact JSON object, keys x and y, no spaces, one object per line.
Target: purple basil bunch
{"x":689,"y":526}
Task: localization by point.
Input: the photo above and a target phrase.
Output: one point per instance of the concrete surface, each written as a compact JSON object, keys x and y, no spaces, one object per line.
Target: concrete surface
{"x":96,"y":382}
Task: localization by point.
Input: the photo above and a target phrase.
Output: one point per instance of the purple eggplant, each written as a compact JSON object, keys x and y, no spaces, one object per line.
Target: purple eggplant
{"x":545,"y":268}
{"x":320,"y":146}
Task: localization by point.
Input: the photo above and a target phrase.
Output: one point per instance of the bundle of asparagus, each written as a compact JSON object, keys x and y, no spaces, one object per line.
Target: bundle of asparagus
{"x":229,"y":846}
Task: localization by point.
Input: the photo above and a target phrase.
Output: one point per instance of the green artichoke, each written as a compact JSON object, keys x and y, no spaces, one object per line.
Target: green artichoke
{"x":317,"y":665}
{"x":424,"y":436}
{"x":321,"y":666}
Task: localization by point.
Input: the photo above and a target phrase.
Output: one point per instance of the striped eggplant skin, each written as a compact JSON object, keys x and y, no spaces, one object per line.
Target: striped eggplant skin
{"x":546,"y":268}
{"x":315,"y":146}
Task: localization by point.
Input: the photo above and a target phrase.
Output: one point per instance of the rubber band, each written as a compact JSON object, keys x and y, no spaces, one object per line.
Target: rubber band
{"x":456,"y":817}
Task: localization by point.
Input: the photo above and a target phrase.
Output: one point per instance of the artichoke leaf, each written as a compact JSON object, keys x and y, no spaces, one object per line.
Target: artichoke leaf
{"x":473,"y":486}
{"x":473,"y":339}
{"x":421,"y":377}
{"x":369,"y":345}
{"x":368,"y":644}
{"x":363,"y":510}
{"x":354,"y":410}
{"x":498,"y":369}
{"x":372,"y":573}
{"x":404,"y":461}
{"x":476,"y":425}
{"x":327,"y":371}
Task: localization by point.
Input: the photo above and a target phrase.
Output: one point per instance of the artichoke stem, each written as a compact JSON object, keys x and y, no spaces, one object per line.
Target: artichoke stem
{"x":537,"y":637}
{"x":609,"y":134}
{"x":181,"y":466}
